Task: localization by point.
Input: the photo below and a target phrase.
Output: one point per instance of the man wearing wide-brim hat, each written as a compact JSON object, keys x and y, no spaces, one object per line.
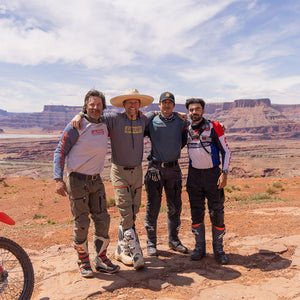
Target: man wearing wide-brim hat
{"x":127,"y":143}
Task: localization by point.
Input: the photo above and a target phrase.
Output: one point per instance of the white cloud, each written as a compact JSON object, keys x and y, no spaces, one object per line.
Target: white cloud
{"x":222,"y":48}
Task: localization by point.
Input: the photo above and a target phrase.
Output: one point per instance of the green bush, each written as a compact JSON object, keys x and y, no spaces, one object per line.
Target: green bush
{"x":271,"y":190}
{"x":38,"y":216}
{"x":277,"y":185}
{"x":110,"y":202}
{"x":237,"y":197}
{"x":228,"y":189}
{"x":259,"y":196}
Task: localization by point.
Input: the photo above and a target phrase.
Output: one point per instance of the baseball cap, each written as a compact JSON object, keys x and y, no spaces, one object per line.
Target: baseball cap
{"x":167,"y":96}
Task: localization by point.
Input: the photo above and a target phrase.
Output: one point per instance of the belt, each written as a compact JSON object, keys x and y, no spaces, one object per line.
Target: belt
{"x":128,"y":168}
{"x":165,"y":164}
{"x":85,"y":177}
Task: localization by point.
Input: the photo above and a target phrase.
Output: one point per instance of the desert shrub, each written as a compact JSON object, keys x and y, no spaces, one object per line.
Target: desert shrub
{"x":50,"y":222}
{"x":228,"y":189}
{"x":163,"y":208}
{"x":271,"y":190}
{"x":110,"y":202}
{"x":259,"y":196}
{"x":246,"y":186}
{"x":38,"y":216}
{"x":238,"y":197}
{"x":277,"y":185}
{"x":5,"y":184}
{"x":282,"y":189}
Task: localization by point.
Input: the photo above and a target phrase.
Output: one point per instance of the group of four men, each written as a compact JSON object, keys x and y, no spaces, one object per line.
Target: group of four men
{"x":85,"y":146}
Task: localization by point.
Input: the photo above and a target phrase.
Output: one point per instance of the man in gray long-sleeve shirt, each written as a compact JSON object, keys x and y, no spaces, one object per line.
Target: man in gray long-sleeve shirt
{"x":85,"y":150}
{"x":127,"y":134}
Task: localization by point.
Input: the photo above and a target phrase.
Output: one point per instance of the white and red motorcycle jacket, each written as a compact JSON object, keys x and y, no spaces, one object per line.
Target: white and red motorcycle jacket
{"x":205,"y":142}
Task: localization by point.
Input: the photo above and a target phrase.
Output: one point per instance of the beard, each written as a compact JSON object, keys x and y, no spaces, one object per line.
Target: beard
{"x":196,"y":117}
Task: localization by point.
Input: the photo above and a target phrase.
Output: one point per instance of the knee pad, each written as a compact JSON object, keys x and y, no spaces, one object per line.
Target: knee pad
{"x":217,"y":218}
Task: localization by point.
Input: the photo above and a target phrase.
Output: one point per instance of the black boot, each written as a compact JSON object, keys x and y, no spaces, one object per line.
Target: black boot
{"x":199,"y":251}
{"x":151,"y":240}
{"x":217,"y":235}
{"x":174,"y":241}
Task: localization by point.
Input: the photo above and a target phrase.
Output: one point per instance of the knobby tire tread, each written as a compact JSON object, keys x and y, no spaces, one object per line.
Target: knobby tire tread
{"x":26,"y":264}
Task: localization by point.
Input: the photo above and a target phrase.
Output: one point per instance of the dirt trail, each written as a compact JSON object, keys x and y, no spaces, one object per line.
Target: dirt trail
{"x":262,"y":243}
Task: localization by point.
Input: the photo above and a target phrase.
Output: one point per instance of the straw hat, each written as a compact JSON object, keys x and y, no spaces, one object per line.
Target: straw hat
{"x":131,"y":94}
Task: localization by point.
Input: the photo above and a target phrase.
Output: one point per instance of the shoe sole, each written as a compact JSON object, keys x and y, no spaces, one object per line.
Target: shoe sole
{"x":87,"y":275}
{"x":152,"y":253}
{"x":119,"y":258}
{"x":176,"y":250}
{"x":139,"y":266}
{"x":108,"y":271}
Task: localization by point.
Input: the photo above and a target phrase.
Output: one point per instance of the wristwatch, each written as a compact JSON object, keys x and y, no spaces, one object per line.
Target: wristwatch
{"x":225,"y":171}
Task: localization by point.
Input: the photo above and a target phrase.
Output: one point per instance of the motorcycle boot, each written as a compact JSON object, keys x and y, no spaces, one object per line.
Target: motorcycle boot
{"x":102,"y":262}
{"x":217,"y":235}
{"x":199,"y":251}
{"x":83,"y":259}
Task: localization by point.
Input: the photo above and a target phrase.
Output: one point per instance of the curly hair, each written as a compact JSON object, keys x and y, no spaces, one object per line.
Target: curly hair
{"x":194,"y":100}
{"x":93,"y":93}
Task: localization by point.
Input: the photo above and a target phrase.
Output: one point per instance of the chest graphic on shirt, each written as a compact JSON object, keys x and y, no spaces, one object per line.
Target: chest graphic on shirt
{"x":133,"y":129}
{"x":97,"y":131}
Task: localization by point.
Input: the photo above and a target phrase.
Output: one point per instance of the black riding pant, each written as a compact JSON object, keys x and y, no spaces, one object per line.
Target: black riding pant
{"x":201,"y":184}
{"x":171,"y":180}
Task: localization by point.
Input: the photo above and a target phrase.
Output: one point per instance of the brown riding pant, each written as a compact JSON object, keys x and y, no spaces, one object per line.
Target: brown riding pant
{"x":127,"y":183}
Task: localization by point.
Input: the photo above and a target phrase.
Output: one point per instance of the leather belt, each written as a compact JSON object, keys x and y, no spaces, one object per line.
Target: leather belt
{"x":165,"y":164}
{"x":85,"y":177}
{"x":128,"y":168}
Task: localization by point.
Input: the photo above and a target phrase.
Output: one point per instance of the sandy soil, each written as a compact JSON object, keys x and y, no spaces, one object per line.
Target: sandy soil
{"x":262,"y":243}
{"x":262,"y":240}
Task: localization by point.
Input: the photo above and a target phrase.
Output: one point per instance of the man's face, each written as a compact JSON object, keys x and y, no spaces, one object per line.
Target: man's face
{"x":196,"y":112}
{"x":132,"y":107}
{"x":166,"y":107}
{"x":94,"y":107}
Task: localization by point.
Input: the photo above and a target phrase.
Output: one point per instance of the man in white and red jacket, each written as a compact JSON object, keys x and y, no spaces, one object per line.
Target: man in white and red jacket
{"x":206,"y":142}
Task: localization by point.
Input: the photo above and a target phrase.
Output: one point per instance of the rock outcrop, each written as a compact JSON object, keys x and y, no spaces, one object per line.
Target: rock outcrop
{"x":242,"y":115}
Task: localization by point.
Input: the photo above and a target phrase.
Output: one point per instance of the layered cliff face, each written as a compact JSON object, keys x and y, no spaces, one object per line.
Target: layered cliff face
{"x":249,"y":113}
{"x":53,"y":117}
{"x":242,"y":115}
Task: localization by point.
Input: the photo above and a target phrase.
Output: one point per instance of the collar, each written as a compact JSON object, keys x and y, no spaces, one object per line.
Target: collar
{"x":86,"y":116}
{"x":167,"y":119}
{"x":199,"y":125}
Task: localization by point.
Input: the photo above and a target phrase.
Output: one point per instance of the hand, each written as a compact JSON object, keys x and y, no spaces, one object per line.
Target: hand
{"x":152,"y":174}
{"x":140,"y":114}
{"x":76,"y":122}
{"x":222,"y":181}
{"x":61,"y":188}
{"x":182,"y":116}
{"x":223,"y":126}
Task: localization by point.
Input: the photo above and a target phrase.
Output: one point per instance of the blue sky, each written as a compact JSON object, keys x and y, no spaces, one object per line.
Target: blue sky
{"x":53,"y":52}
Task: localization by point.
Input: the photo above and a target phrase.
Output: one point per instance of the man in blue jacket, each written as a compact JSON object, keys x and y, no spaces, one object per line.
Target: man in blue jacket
{"x":168,"y":135}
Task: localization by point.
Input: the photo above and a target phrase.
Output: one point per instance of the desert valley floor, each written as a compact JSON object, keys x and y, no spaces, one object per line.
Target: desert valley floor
{"x":262,"y":214}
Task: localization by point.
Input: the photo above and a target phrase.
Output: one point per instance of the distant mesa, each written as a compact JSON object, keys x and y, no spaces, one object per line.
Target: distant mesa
{"x":251,"y":116}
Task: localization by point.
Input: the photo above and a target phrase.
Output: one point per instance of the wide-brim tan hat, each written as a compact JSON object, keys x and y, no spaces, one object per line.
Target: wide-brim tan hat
{"x":131,"y":94}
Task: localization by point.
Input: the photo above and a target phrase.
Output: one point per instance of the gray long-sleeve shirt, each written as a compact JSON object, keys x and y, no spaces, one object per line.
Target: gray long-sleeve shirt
{"x":127,"y":137}
{"x":84,"y":149}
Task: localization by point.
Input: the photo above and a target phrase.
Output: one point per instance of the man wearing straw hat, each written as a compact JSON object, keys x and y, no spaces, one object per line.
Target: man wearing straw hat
{"x":127,"y":143}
